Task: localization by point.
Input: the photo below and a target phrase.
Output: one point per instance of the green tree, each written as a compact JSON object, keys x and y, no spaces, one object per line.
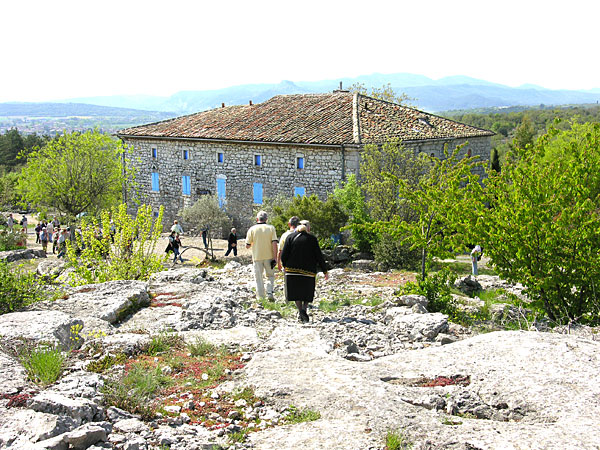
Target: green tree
{"x":207,"y":213}
{"x":353,"y":203}
{"x":75,"y":173}
{"x":541,"y":228}
{"x":442,"y":203}
{"x":326,"y":217}
{"x":130,"y":254}
{"x":11,"y":145}
{"x":524,"y":134}
{"x":495,"y":160}
{"x":385,"y":92}
{"x":380,"y":169}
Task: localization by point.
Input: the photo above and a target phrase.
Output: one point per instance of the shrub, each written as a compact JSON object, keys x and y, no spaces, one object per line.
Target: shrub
{"x":163,"y":342}
{"x":207,"y":213}
{"x":44,"y":364}
{"x":19,"y":288}
{"x":391,"y":253}
{"x":132,"y":256}
{"x":200,"y":347}
{"x":12,"y":240}
{"x":326,"y":217}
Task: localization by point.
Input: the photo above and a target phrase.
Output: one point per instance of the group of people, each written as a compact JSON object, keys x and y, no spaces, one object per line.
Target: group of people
{"x":297,"y":253}
{"x":47,"y":232}
{"x":175,"y":242}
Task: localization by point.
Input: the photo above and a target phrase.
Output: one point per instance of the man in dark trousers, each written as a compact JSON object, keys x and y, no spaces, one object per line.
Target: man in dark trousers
{"x":232,"y":242}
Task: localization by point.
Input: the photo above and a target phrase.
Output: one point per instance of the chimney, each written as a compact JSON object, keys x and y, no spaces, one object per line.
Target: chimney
{"x":341,"y":89}
{"x":222,"y":105}
{"x":250,"y":102}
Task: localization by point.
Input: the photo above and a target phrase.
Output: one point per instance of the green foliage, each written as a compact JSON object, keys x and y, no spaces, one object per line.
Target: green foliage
{"x":495,"y":160}
{"x":136,"y":390}
{"x":392,"y":253}
{"x":12,"y":240}
{"x":381,"y":168}
{"x":75,"y":173}
{"x":441,"y":206}
{"x":396,"y":440}
{"x":133,"y":256}
{"x":9,"y":195}
{"x":285,"y":309}
{"x":19,"y":288}
{"x":295,"y":415}
{"x":106,"y":362}
{"x":44,"y":364}
{"x":541,"y":228}
{"x":200,"y":347}
{"x":206,"y":212}
{"x":326,"y":217}
{"x":163,"y":342}
{"x":437,"y":289}
{"x":524,"y":134}
{"x":352,"y":202}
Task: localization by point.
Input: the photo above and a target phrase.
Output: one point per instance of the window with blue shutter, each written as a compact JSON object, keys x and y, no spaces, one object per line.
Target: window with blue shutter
{"x":155,"y":185}
{"x":221,"y":191}
{"x":220,"y":157}
{"x":186,"y":186}
{"x":299,"y":191}
{"x":257,"y":160}
{"x":258,"y":193}
{"x":300,"y":162}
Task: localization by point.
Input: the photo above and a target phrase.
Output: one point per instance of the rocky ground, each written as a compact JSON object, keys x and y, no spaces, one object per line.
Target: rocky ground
{"x":369,"y":363}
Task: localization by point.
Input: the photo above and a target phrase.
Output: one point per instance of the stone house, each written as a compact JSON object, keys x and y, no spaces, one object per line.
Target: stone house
{"x":288,"y":145}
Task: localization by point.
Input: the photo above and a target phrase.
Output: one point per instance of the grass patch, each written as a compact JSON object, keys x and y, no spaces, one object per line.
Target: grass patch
{"x":342,"y":300}
{"x":44,"y":364}
{"x":396,"y":440}
{"x":460,"y":268}
{"x":285,"y":309}
{"x":296,"y":415}
{"x":106,"y":362}
{"x":200,"y":347}
{"x":163,"y":342}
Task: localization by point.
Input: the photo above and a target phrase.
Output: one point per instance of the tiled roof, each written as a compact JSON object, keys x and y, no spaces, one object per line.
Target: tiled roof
{"x":329,"y":119}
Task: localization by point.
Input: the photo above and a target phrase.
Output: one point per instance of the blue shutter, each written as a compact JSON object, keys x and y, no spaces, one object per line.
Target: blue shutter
{"x":299,"y":191}
{"x":221,"y":191}
{"x":258,"y":193}
{"x":186,"y":186}
{"x":300,"y":164}
{"x":155,"y":184}
{"x":257,"y":160}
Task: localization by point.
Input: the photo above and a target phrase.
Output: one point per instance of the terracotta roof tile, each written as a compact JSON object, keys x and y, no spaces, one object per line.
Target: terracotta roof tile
{"x":309,"y":119}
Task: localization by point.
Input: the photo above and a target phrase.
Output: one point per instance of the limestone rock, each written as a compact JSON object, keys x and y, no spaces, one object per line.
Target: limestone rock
{"x":50,"y":268}
{"x":80,"y":410}
{"x":17,"y":255}
{"x":13,"y":377}
{"x":48,"y":326}
{"x":420,"y":326}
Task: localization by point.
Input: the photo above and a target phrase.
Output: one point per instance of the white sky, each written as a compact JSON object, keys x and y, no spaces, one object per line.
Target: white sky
{"x":74,"y":48}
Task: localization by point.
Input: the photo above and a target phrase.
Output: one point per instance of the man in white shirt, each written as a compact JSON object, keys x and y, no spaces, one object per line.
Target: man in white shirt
{"x":262,"y":238}
{"x":176,"y":227}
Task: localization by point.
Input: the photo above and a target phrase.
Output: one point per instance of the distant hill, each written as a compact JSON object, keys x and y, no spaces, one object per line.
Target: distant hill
{"x":15,"y":109}
{"x":445,"y":94}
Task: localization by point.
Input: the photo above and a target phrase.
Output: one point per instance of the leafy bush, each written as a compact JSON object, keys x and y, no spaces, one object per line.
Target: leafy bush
{"x":326,"y":217}
{"x":393,"y":254}
{"x":44,"y":364}
{"x":19,"y":288}
{"x":12,"y":240}
{"x":132,"y":256}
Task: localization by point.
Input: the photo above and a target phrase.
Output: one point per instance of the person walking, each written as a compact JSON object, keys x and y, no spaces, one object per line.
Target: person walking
{"x":292,"y":224}
{"x":262,"y":238}
{"x":44,"y":239}
{"x":174,"y":244}
{"x":62,"y":244}
{"x":10,"y":222}
{"x":475,"y":256}
{"x":24,"y":224}
{"x":232,"y":242}
{"x":176,"y":227}
{"x":300,"y":257}
{"x":38,"y":230}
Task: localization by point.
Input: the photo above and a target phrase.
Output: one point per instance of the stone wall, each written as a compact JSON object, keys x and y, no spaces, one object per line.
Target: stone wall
{"x":278,"y":172}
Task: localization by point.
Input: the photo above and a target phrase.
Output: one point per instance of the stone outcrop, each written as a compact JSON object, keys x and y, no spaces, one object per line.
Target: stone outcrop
{"x":367,"y":370}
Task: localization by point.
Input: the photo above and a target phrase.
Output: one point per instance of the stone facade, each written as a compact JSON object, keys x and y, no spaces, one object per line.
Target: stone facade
{"x":278,"y":174}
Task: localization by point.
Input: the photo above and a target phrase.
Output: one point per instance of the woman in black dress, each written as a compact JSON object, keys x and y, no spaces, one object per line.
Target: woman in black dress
{"x":300,"y":257}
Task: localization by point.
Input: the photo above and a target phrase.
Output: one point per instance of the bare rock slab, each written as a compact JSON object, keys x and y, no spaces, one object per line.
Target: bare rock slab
{"x":42,"y":326}
{"x":12,"y":375}
{"x":111,"y":301}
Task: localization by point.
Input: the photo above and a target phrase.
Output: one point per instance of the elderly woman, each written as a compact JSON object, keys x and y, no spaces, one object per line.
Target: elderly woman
{"x":300,"y":257}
